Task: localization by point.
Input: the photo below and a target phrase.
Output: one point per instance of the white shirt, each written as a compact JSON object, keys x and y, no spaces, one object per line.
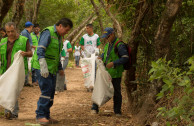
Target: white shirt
{"x":90,"y":43}
{"x":77,"y":50}
{"x":65,"y":47}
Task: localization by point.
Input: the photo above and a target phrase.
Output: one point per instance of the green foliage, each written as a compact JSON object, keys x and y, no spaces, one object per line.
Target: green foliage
{"x":175,"y":78}
{"x":53,"y":10}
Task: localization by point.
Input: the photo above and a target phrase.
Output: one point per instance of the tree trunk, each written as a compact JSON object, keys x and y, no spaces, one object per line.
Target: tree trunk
{"x":5,"y":5}
{"x":162,"y":49}
{"x":81,"y":31}
{"x":18,"y":13}
{"x":99,"y":16}
{"x":29,"y":10}
{"x":116,"y":23}
{"x":162,"y":44}
{"x":130,"y":74}
{"x":70,"y":36}
{"x":36,"y":8}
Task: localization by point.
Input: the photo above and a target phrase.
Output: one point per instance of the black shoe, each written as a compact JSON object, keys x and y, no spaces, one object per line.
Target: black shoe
{"x":65,"y":87}
{"x":28,"y":85}
{"x":10,"y":116}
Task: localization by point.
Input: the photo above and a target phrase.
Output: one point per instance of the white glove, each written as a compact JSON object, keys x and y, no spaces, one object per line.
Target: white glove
{"x":43,"y":68}
{"x":87,"y":54}
{"x":62,"y":58}
{"x":96,"y":51}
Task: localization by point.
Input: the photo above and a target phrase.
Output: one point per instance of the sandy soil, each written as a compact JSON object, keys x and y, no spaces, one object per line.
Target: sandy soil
{"x":71,"y":107}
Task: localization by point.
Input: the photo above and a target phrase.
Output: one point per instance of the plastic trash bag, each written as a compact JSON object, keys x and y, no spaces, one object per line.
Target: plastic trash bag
{"x":12,"y":82}
{"x":88,"y":69}
{"x":103,"y":88}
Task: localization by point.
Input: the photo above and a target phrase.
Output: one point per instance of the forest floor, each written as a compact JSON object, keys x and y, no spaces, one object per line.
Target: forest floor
{"x":71,"y":107}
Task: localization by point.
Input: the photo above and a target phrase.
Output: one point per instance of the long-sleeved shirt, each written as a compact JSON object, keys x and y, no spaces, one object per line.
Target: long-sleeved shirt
{"x":27,"y":34}
{"x":44,"y":41}
{"x":122,"y":53}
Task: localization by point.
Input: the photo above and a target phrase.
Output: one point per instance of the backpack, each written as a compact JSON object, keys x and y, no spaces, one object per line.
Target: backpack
{"x":127,"y":65}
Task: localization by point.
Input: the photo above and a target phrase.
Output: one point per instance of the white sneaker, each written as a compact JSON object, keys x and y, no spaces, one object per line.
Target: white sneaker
{"x":56,"y":92}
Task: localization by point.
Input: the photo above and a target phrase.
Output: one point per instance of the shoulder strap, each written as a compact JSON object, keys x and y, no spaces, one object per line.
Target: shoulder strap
{"x":118,"y":42}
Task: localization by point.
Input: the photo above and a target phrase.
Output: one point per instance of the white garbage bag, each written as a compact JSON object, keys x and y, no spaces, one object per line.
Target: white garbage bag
{"x":103,"y":88}
{"x":12,"y":82}
{"x":88,"y":69}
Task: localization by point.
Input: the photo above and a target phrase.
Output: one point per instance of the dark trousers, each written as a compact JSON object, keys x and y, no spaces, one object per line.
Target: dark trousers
{"x":34,"y":78}
{"x":117,"y":98}
{"x":77,"y":58}
{"x":47,"y":87}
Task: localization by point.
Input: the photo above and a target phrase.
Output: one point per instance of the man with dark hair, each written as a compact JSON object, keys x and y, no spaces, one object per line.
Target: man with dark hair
{"x":9,"y":46}
{"x":47,"y":64}
{"x":35,"y":37}
{"x":89,"y":25}
{"x":26,"y":32}
{"x":90,"y":41}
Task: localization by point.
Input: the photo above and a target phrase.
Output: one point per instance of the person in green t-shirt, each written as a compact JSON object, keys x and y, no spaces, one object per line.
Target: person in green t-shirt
{"x":90,"y":41}
{"x":68,"y":48}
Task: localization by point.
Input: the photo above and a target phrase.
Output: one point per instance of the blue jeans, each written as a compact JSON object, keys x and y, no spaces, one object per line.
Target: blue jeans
{"x":117,"y":98}
{"x":77,"y":58}
{"x":47,"y":87}
{"x":34,"y":77}
{"x":16,"y":109}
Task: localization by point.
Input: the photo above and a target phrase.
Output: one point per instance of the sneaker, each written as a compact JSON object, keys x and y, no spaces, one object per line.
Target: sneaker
{"x":28,"y":85}
{"x":53,"y":121}
{"x":42,"y":121}
{"x":65,"y":87}
{"x":56,"y":92}
{"x":35,"y":83}
{"x":10,"y":116}
{"x":118,"y":115}
{"x":94,"y":112}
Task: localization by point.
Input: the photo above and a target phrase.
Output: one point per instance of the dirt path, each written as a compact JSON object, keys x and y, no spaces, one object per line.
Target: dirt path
{"x":71,"y":107}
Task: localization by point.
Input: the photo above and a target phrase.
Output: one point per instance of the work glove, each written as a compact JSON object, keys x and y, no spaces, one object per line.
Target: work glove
{"x":43,"y":68}
{"x":96,"y":51}
{"x":62,"y":58}
{"x":87,"y":54}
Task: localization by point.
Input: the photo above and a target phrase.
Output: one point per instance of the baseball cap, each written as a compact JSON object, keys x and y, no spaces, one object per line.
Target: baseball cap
{"x":28,"y":23}
{"x":107,"y":31}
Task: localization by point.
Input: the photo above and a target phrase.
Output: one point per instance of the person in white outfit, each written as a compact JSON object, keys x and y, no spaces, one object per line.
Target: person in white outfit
{"x":90,"y":41}
{"x":77,"y":52}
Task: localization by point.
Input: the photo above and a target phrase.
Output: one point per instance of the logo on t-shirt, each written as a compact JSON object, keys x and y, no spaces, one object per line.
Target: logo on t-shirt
{"x":89,"y":42}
